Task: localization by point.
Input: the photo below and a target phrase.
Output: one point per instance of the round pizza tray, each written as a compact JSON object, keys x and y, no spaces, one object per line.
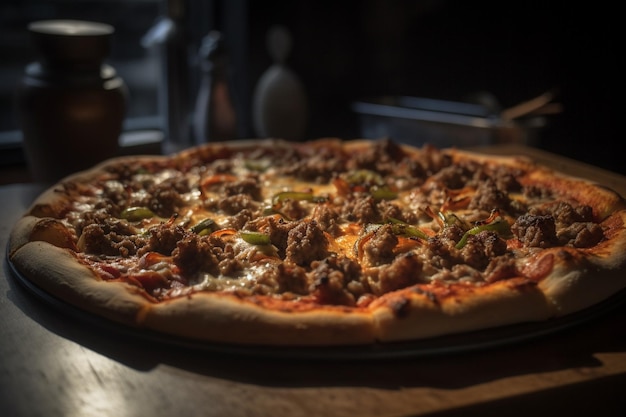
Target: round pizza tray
{"x":445,"y":345}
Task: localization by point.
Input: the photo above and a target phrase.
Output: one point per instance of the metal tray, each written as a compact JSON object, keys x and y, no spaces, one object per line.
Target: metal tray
{"x":418,"y":120}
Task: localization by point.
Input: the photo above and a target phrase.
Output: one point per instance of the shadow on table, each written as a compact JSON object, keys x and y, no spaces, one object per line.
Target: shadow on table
{"x":600,"y":397}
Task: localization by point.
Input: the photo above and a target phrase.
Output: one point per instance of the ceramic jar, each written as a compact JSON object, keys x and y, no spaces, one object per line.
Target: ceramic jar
{"x":71,"y":105}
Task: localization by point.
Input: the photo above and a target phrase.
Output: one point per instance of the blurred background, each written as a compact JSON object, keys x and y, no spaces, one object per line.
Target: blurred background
{"x":502,"y":53}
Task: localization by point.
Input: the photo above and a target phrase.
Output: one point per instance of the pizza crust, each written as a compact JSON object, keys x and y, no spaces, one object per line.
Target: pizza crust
{"x":20,"y":234}
{"x":228,"y":319}
{"x":201,"y":316}
{"x":425,"y":316}
{"x":603,"y":200}
{"x":46,"y":229}
{"x":581,"y":279}
{"x":57,"y":272}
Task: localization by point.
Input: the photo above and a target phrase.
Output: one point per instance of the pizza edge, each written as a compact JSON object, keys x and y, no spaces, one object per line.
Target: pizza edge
{"x":57,"y":272}
{"x":581,"y":279}
{"x":403,"y":315}
{"x":413,"y":313}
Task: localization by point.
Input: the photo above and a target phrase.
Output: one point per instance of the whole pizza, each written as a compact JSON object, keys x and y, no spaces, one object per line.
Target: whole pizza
{"x":323,"y":243}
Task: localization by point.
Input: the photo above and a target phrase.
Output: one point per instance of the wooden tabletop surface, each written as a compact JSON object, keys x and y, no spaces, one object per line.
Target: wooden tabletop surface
{"x":53,"y":363}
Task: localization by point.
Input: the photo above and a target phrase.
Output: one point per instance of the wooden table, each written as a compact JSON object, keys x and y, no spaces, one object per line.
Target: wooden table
{"x":54,"y":364}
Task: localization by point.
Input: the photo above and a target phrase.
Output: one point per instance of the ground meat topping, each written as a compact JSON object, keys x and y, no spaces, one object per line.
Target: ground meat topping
{"x":162,"y":196}
{"x":339,"y":240}
{"x":335,"y":280}
{"x":193,"y":254}
{"x":489,"y":197}
{"x":453,"y":176}
{"x":458,"y":273}
{"x":234,"y":204}
{"x":441,"y":250}
{"x":382,"y":157}
{"x":430,"y":161}
{"x":319,"y":166}
{"x":379,"y":248}
{"x":564,"y":213}
{"x":481,"y":248}
{"x":506,"y":178}
{"x":278,"y":231}
{"x":535,"y":231}
{"x":290,"y":278}
{"x":306,"y":243}
{"x":362,"y":210}
{"x":163,"y":239}
{"x":477,"y":252}
{"x":239,"y":220}
{"x":249,"y":186}
{"x":501,"y":267}
{"x":581,"y":235}
{"x":107,"y":239}
{"x":328,"y":218}
{"x":404,"y":271}
{"x":293,"y":209}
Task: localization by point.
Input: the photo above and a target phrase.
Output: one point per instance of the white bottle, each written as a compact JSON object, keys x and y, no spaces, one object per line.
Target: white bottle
{"x":280,"y":108}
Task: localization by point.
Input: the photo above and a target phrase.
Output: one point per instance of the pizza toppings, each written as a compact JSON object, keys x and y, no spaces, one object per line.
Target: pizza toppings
{"x":535,"y":231}
{"x":345,"y":227}
{"x":329,"y":228}
{"x":135,"y":214}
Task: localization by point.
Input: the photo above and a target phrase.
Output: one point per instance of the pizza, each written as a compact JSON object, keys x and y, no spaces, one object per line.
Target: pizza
{"x":327,"y":242}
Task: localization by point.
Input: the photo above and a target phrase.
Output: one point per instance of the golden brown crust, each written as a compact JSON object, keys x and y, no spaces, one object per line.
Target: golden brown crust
{"x":21,"y":232}
{"x":603,"y":200}
{"x":581,"y":279}
{"x":229,"y":319}
{"x":202,"y":316}
{"x":57,"y":272}
{"x":415,"y":314}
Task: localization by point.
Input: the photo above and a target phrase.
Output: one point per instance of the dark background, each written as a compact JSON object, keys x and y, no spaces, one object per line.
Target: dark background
{"x":347,"y":50}
{"x":350,"y":50}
